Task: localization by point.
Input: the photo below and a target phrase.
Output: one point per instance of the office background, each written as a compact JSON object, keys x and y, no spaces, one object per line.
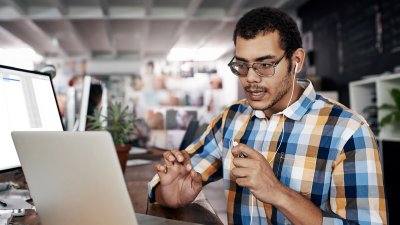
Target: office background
{"x":168,"y":58}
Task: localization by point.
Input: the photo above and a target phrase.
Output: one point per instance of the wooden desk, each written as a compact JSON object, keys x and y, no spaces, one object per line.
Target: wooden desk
{"x":154,"y":154}
{"x":136,"y":177}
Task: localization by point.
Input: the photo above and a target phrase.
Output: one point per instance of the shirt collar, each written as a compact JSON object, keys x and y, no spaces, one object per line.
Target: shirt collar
{"x":296,"y":110}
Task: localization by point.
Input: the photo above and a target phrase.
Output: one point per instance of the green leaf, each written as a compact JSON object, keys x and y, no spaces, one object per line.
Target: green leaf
{"x":394,"y":109}
{"x":120,"y":122}
{"x":386,"y":120}
{"x":395,"y":93}
{"x":397,"y":116}
{"x":95,"y":122}
{"x":387,"y":107}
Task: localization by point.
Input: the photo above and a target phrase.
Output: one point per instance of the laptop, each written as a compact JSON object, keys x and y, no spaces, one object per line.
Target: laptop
{"x":75,"y":178}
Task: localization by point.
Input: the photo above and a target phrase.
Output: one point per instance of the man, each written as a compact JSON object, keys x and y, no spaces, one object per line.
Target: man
{"x":286,"y":155}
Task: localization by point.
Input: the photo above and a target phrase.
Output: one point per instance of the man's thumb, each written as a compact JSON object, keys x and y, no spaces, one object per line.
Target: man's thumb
{"x":195,"y":176}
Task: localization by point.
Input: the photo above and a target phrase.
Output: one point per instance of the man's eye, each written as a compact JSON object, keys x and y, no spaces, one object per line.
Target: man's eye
{"x":241,"y":65}
{"x":264,"y":65}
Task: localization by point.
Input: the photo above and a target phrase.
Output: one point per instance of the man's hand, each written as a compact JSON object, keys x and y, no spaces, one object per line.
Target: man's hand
{"x":179,"y":183}
{"x":254,"y":172}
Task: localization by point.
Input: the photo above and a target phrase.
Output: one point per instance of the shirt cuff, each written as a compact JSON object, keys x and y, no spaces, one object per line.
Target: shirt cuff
{"x":330,"y":218}
{"x":151,"y":186}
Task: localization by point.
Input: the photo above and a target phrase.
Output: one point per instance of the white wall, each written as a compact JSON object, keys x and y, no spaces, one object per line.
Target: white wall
{"x":107,"y":67}
{"x":230,"y":81}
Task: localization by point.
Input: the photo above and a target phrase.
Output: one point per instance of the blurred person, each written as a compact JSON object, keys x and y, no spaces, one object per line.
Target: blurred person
{"x":149,"y":77}
{"x":135,"y":97}
{"x":215,"y":82}
{"x":183,"y":118}
{"x":95,"y":95}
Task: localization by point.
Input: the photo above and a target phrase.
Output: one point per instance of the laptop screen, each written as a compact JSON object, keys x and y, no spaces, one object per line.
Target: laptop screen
{"x":27,"y":103}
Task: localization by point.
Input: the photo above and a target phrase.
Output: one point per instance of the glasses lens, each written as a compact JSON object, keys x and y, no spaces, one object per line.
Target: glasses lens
{"x":264,"y":69}
{"x":239,"y":68}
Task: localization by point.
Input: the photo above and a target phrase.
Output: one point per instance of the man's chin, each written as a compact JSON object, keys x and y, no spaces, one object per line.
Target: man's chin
{"x":258,"y":105}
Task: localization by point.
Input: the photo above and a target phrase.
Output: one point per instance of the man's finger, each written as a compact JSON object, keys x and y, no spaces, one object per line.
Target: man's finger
{"x":241,"y":172}
{"x":242,"y":182}
{"x":245,"y":150}
{"x":160,"y":168}
{"x":195,"y":176}
{"x":239,"y":162}
{"x":187,"y":162}
{"x":178,"y":155}
{"x":169,"y":158}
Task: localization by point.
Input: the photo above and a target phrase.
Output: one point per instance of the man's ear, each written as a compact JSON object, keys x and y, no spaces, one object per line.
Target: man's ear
{"x":299,"y":57}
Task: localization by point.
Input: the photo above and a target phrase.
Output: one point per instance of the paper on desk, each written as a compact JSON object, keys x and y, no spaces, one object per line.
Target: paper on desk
{"x":137,"y":150}
{"x":5,"y":216}
{"x":15,"y":203}
{"x":17,"y":193}
{"x":15,"y":199}
{"x":138,"y":162}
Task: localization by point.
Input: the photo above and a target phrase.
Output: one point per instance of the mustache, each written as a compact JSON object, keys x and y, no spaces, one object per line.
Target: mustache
{"x":255,"y":88}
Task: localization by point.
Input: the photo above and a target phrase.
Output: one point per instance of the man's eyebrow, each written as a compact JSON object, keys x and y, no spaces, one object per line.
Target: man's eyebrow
{"x":257,"y":59}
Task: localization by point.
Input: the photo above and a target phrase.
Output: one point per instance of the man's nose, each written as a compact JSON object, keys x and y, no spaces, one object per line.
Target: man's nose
{"x":252,"y":76}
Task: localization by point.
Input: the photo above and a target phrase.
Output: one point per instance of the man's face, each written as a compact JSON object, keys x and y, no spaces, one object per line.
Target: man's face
{"x":265,"y":93}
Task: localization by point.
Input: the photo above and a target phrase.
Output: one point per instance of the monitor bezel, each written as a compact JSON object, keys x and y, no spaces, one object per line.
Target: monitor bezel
{"x":54,"y":94}
{"x":44,"y":74}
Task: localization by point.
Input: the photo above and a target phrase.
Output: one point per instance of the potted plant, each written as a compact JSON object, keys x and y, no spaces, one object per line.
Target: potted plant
{"x":394,"y":110}
{"x":120,"y":123}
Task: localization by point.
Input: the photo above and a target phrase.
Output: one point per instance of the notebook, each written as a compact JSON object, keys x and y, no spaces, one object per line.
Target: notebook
{"x":75,"y":178}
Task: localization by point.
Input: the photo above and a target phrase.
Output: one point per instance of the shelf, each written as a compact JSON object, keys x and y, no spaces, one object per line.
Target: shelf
{"x":394,"y":139}
{"x":368,"y":94}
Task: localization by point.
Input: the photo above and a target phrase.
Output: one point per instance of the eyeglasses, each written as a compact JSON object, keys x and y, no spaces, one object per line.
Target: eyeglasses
{"x":262,"y":69}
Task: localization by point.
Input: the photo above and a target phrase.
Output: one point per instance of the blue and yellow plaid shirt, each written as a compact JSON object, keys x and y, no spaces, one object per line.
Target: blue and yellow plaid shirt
{"x":328,"y":154}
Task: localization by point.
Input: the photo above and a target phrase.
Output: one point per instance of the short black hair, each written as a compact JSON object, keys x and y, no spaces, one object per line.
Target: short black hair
{"x":265,"y":20}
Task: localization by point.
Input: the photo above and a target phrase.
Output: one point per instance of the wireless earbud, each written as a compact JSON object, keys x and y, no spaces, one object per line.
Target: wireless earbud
{"x":295,"y":68}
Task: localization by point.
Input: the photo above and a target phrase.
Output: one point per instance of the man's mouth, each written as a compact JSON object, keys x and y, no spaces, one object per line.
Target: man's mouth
{"x":255,"y":93}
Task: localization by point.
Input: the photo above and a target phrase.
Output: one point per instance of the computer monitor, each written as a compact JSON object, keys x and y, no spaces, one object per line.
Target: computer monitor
{"x":77,"y":104}
{"x":84,"y":103}
{"x":27,"y":103}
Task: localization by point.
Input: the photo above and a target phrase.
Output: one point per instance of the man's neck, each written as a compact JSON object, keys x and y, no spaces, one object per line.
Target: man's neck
{"x":283,"y":103}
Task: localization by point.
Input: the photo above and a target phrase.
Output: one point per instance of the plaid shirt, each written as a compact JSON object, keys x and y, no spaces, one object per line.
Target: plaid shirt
{"x":327,"y":153}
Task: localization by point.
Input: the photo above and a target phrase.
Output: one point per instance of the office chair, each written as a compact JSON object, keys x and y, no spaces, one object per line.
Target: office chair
{"x":190,"y":134}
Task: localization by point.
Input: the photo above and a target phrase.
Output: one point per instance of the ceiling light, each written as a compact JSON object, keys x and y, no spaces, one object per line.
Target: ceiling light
{"x":55,"y":42}
{"x":19,"y":57}
{"x":181,"y":54}
{"x":192,"y":54}
{"x":208,"y":54}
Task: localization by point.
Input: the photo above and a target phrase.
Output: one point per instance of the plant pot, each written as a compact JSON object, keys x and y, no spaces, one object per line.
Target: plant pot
{"x":123,"y":153}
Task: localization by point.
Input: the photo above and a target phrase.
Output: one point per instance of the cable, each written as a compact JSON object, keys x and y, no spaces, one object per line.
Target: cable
{"x":252,"y":208}
{"x":147,"y":206}
{"x":234,"y":143}
{"x":279,"y":145}
{"x":283,"y":128}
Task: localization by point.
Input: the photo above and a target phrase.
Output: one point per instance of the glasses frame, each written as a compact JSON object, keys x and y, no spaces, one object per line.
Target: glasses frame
{"x":250,"y":65}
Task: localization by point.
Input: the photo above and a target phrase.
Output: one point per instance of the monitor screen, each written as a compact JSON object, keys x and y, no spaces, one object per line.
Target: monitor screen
{"x":27,"y":103}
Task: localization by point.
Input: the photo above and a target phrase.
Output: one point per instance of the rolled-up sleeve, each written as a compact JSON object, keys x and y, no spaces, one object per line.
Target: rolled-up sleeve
{"x":357,"y":193}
